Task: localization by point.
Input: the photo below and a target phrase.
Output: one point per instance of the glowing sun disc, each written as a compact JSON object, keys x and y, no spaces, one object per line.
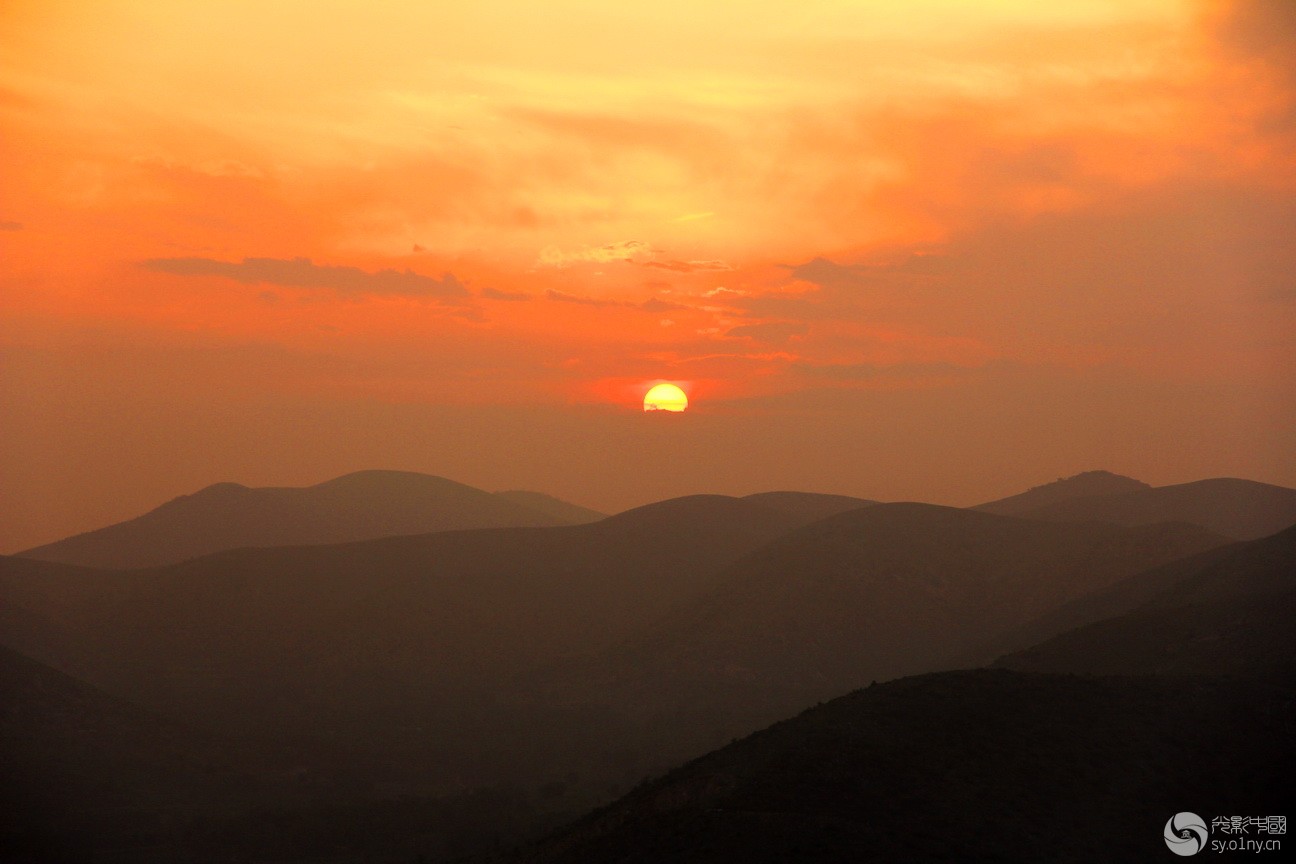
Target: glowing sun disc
{"x":665,"y":397}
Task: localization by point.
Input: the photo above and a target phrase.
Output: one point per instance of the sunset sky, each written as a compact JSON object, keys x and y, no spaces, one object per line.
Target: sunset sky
{"x":933,"y":250}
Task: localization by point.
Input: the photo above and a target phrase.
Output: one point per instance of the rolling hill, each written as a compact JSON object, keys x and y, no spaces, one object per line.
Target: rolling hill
{"x":564,"y":512}
{"x":1229,"y":614}
{"x":960,"y":766}
{"x":1241,"y":509}
{"x":414,"y":633}
{"x":999,"y":765}
{"x":808,"y":506}
{"x":82,"y":764}
{"x":1083,"y":485}
{"x":869,"y":594}
{"x":358,"y":506}
{"x":575,"y":658}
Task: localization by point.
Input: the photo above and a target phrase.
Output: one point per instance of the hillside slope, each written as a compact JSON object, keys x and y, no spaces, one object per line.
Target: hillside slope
{"x":1084,"y":485}
{"x":414,"y":635}
{"x":1231,"y":616}
{"x":866,"y":595}
{"x":960,"y":766}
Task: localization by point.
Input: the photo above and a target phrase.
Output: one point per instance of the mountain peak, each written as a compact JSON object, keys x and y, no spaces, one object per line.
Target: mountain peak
{"x":1083,"y":485}
{"x":357,"y":506}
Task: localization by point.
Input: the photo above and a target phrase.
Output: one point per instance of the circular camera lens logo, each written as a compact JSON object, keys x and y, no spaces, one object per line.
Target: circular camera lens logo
{"x":1186,"y":834}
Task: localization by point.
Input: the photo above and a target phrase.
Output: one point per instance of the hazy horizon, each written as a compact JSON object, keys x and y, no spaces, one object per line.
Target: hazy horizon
{"x":936,"y":252}
{"x":123,"y":513}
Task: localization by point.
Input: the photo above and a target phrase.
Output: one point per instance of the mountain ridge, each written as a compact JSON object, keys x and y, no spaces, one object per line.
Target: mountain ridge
{"x":1085,"y":484}
{"x":1237,"y":508}
{"x":356,"y":506}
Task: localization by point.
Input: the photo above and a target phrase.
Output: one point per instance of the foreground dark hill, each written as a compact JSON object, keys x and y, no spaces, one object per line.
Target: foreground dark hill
{"x":1009,"y":765}
{"x":358,"y":506}
{"x":1242,"y":509}
{"x":90,"y":777}
{"x":1230,"y":614}
{"x":80,"y":762}
{"x":962,"y":766}
{"x":1084,"y":485}
{"x":869,"y":594}
{"x":44,"y":606}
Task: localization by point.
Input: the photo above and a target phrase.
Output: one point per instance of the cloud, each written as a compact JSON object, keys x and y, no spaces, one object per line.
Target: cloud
{"x":11,"y":226}
{"x":656,"y":305}
{"x":689,"y":266}
{"x":769,"y":331}
{"x":562,"y":297}
{"x":828,"y":273}
{"x":801,"y":306}
{"x":496,"y":294}
{"x":626,"y":250}
{"x":1282,"y":295}
{"x":1260,"y":28}
{"x":650,"y":305}
{"x":303,"y":273}
{"x":873,"y":371}
{"x":630,"y":251}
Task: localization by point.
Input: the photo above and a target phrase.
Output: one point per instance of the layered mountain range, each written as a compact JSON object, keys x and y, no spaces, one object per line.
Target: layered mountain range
{"x":514,"y":674}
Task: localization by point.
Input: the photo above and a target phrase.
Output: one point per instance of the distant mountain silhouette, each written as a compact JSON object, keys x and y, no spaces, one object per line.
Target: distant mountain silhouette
{"x":1230,"y":614}
{"x":809,"y":506}
{"x":359,"y":506}
{"x":1084,"y":485}
{"x":869,"y":594}
{"x":565,"y":513}
{"x":570,"y":659}
{"x":1242,"y":509}
{"x":960,"y":766}
{"x":416,"y":633}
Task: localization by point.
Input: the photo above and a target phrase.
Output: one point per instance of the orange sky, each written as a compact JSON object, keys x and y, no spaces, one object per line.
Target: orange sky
{"x":931,"y":250}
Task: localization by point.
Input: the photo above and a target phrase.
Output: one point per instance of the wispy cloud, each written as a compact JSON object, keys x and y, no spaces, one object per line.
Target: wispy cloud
{"x":768,"y":331}
{"x":874,"y":371}
{"x":626,"y":250}
{"x":11,"y":226}
{"x":829,"y":274}
{"x":563,"y":297}
{"x":651,"y":305}
{"x":689,"y":266}
{"x":304,"y":273}
{"x":496,"y":294}
{"x":657,"y":305}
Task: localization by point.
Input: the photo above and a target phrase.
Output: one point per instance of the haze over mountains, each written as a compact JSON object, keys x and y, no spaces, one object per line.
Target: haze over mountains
{"x":1230,"y":614}
{"x":516,"y":675}
{"x":356,"y":506}
{"x":1242,"y":509}
{"x":868,"y":594}
{"x":1019,"y":765}
{"x":1086,"y":484}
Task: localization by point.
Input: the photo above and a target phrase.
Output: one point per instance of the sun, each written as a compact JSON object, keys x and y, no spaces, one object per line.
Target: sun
{"x":665,"y":397}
